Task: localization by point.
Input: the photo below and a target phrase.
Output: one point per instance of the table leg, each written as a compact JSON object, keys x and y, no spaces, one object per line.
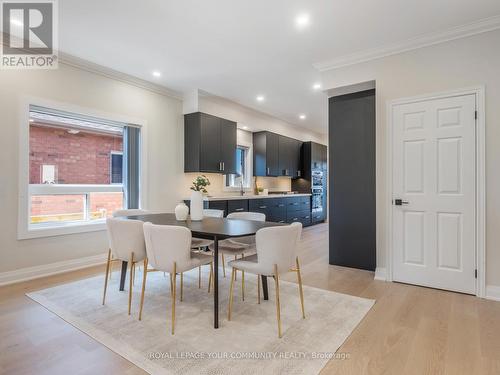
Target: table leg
{"x":264,"y":287}
{"x":216,"y":282}
{"x":123,"y":275}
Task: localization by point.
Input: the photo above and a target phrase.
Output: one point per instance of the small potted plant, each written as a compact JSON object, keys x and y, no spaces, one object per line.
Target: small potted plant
{"x":199,"y":187}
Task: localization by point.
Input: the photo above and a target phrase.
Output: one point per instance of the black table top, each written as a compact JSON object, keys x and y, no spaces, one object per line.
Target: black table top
{"x":209,"y":227}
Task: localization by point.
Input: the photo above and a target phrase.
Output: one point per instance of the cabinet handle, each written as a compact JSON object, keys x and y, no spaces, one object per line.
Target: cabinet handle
{"x":268,"y":171}
{"x":220,"y":166}
{"x":262,"y":207}
{"x":281,"y":205}
{"x":295,"y":204}
{"x":240,"y":209}
{"x":223,"y":166}
{"x":295,"y":219}
{"x":281,"y":221}
{"x":307,"y":217}
{"x":298,"y":173}
{"x":286,"y":172}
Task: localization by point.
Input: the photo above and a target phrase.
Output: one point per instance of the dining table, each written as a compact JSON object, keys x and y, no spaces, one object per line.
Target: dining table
{"x":211,"y":228}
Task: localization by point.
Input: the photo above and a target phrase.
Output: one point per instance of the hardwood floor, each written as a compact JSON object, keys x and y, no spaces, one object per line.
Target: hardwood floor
{"x":410,"y":330}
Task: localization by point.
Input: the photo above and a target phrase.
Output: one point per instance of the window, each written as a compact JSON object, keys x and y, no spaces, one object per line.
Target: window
{"x":76,"y":166}
{"x":116,"y":166}
{"x":242,"y":167}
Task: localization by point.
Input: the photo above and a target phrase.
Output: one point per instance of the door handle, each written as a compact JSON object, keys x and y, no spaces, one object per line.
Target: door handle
{"x":400,"y":202}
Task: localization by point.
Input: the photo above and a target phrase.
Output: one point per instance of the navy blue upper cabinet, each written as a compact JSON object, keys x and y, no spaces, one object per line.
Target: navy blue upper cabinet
{"x":209,"y":144}
{"x":276,"y":155}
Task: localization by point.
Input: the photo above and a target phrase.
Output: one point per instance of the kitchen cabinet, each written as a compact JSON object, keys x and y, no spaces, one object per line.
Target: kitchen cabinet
{"x":276,"y":155}
{"x":209,"y":144}
{"x":237,"y":205}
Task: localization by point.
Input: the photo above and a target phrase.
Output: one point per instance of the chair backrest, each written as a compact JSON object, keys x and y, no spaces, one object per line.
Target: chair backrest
{"x":125,"y":237}
{"x":166,"y":244}
{"x":255,"y":216}
{"x":278,"y":245}
{"x":130,"y":212}
{"x":209,"y":212}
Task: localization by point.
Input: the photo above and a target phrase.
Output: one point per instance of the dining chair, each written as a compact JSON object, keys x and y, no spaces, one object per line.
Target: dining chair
{"x":241,"y":245}
{"x":127,"y":212}
{"x":126,"y":243}
{"x":168,"y":249}
{"x":200,"y":243}
{"x":276,"y":254}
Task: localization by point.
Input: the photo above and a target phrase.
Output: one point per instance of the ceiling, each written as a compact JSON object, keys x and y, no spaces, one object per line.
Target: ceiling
{"x":241,"y":49}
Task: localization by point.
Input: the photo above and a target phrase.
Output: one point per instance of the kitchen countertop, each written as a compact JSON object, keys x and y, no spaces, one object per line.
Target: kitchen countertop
{"x":234,"y":197}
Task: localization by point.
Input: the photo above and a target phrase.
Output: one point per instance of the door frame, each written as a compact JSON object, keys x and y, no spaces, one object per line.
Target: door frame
{"x":480,"y":204}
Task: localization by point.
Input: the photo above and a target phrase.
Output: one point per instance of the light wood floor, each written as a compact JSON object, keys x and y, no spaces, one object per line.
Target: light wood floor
{"x":410,"y":330}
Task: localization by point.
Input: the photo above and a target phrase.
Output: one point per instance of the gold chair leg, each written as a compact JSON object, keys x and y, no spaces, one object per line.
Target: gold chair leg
{"x":301,"y":292}
{"x":133,"y":274}
{"x":223,"y":265}
{"x":111,"y":266}
{"x":211,"y":276}
{"x":182,"y":286}
{"x":233,"y":277}
{"x":242,"y":285}
{"x":131,"y":281}
{"x":199,"y":277}
{"x":236,"y":274}
{"x":258,"y":289}
{"x":174,"y":276}
{"x":278,"y":313}
{"x":144,"y":274}
{"x":106,"y":278}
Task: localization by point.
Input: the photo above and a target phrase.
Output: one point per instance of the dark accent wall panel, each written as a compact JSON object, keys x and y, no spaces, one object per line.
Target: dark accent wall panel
{"x":352,"y":226}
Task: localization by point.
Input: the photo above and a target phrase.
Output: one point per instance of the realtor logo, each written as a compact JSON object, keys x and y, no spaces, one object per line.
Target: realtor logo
{"x":29,"y":34}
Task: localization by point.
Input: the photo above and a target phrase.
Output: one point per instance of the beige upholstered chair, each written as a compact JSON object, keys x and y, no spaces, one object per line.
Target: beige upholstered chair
{"x":276,"y":254}
{"x":126,"y":243}
{"x":168,"y":249}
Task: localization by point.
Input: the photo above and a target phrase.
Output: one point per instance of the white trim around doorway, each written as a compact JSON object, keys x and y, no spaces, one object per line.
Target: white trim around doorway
{"x":479,"y":92}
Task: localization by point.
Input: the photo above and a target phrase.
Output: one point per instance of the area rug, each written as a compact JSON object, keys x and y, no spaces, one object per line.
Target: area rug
{"x":248,"y":344}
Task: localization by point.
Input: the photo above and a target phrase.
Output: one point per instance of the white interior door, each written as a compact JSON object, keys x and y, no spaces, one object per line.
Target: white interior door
{"x":434,"y":176}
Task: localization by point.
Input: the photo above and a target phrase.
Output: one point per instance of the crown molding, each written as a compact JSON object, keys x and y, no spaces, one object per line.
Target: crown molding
{"x":482,"y":26}
{"x":91,"y":67}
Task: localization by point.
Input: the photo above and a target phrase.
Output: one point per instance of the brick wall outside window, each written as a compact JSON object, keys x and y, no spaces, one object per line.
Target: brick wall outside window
{"x":82,"y":158}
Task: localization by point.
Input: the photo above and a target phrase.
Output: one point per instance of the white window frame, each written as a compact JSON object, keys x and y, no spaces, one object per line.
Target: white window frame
{"x":247,"y":186}
{"x":27,"y":231}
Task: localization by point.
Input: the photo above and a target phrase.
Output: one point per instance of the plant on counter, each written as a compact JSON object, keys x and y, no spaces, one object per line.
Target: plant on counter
{"x":200,"y":184}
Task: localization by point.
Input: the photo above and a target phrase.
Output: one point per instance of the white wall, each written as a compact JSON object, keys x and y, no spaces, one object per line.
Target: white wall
{"x":453,"y":65}
{"x":80,"y":88}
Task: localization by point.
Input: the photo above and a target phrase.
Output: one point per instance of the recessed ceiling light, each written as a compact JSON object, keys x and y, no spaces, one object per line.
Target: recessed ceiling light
{"x":260,"y":98}
{"x":156,"y":73}
{"x":244,"y":127}
{"x":317,"y":86}
{"x":302,"y":117}
{"x":302,"y":21}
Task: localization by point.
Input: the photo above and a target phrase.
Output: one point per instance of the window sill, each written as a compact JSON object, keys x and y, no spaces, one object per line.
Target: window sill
{"x":60,"y":229}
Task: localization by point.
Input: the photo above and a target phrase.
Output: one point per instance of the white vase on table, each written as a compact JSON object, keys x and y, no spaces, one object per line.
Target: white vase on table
{"x":196,"y":205}
{"x":181,"y":211}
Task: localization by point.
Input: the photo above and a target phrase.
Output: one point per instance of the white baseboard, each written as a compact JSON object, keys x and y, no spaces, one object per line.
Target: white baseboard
{"x":381,"y":274}
{"x":492,"y":292}
{"x":30,"y":273}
